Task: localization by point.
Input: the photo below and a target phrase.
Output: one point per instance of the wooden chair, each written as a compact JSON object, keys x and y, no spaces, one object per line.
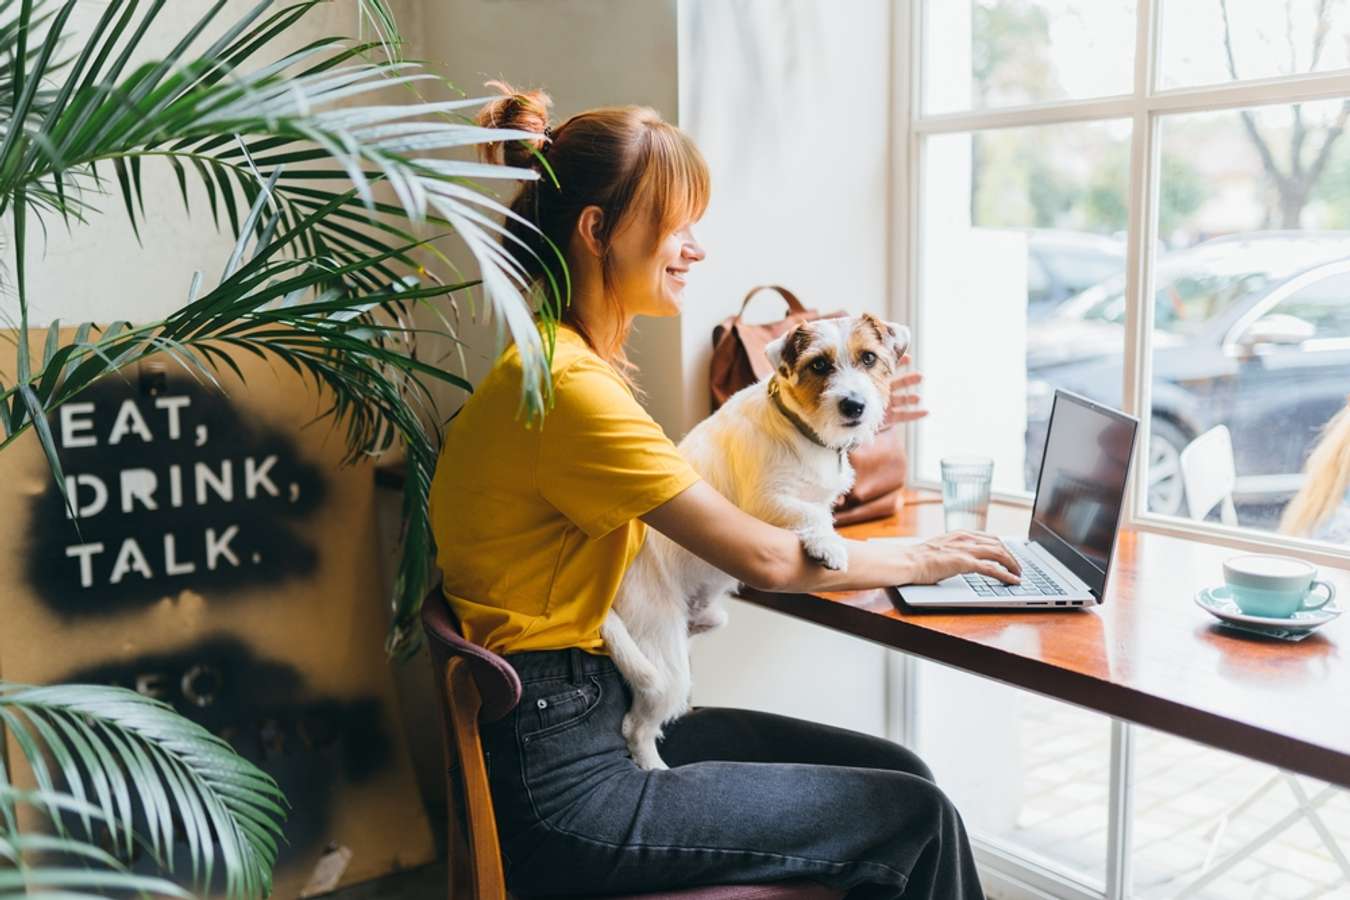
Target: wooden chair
{"x":475,"y":685}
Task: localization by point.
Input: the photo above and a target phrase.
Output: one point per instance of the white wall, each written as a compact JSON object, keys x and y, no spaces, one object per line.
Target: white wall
{"x":967,"y":311}
{"x":789,"y":101}
{"x":99,"y":272}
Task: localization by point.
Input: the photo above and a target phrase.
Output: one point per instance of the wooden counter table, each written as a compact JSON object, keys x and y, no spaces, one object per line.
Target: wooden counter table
{"x":1147,"y":655}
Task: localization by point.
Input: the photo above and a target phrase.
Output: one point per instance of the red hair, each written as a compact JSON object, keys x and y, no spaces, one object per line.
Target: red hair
{"x":626,"y":160}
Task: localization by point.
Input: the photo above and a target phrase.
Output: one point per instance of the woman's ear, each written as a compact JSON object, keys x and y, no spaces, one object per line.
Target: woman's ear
{"x":589,"y":225}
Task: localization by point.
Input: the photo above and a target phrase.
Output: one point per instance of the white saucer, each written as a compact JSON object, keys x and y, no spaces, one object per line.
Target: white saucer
{"x":1219,"y":602}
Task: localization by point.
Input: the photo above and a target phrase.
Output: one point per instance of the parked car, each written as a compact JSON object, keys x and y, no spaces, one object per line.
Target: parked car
{"x":1062,"y":264}
{"x":1252,"y":332}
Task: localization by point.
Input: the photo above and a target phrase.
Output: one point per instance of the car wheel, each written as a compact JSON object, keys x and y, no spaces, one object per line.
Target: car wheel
{"x":1166,"y":493}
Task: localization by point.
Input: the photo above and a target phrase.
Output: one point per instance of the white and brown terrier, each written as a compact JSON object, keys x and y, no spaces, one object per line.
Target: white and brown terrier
{"x":779,"y":450}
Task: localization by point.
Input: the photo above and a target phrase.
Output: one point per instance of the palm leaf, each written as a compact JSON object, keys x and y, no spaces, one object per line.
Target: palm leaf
{"x":297,"y":109}
{"x":132,"y":754}
{"x":100,"y":871}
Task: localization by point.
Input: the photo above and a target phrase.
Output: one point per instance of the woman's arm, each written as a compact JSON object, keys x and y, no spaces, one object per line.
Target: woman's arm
{"x":764,"y":556}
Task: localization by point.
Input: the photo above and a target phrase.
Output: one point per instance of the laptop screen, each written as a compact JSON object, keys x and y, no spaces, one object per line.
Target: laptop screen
{"x":1082,"y":485}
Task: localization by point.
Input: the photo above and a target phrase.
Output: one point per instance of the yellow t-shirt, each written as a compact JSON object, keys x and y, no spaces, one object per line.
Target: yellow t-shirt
{"x":535,"y":524}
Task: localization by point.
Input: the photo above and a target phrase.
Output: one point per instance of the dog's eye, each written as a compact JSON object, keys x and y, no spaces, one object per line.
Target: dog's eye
{"x":821,"y":366}
{"x":868,"y":358}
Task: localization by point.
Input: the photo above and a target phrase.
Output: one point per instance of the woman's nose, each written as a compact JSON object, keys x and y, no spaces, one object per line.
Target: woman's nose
{"x":693,"y":251}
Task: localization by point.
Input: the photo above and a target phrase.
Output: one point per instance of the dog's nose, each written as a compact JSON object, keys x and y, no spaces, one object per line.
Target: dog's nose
{"x":851,"y":408}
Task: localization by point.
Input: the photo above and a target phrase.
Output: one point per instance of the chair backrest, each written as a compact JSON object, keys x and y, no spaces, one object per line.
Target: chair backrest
{"x":474,"y":685}
{"x":1209,"y":475}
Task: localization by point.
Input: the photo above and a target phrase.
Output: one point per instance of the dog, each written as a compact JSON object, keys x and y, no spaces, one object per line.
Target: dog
{"x":778,"y":449}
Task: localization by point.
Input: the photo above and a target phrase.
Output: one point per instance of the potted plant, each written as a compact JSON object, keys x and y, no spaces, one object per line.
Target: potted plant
{"x":334,"y":198}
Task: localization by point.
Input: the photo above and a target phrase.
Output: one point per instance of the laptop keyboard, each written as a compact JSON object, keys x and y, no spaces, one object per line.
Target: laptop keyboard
{"x":1035,"y":581}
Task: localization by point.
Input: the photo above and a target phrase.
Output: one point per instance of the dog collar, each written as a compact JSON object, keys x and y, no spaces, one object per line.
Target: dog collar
{"x":803,"y":429}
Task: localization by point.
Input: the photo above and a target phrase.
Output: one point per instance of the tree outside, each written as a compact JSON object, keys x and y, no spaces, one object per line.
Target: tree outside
{"x":1299,"y":151}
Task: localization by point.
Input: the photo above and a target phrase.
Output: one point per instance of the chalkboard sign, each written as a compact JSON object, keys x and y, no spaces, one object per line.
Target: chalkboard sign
{"x":215,"y":555}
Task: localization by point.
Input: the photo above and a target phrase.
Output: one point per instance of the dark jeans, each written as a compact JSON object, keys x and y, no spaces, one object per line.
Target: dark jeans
{"x":749,"y":798}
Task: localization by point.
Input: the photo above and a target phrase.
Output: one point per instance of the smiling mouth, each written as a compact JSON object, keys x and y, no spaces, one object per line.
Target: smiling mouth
{"x":677,"y":274}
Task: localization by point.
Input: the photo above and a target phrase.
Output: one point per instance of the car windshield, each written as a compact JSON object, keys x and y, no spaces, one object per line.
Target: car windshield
{"x":1196,"y":285}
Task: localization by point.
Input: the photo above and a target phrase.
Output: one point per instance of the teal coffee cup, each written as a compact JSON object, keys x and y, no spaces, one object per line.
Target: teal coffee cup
{"x":1275,"y":586}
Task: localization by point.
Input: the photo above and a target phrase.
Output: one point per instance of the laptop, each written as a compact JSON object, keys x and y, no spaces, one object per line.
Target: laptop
{"x":1074,"y":519}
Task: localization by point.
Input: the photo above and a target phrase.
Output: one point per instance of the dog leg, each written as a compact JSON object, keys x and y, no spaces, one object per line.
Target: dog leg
{"x":644,"y":725}
{"x":642,"y":737}
{"x":825,"y":547}
{"x":642,"y":729}
{"x":813,"y":524}
{"x":642,"y":676}
{"x":642,"y":722}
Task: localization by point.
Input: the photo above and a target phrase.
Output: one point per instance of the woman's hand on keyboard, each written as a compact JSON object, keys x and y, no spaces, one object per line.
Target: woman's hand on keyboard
{"x":960,"y":552}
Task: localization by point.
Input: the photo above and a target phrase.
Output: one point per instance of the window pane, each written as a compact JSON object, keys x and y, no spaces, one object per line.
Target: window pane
{"x":1015,"y":224}
{"x":981,"y":54}
{"x":1217,"y":42}
{"x":1200,"y":813}
{"x":1023,"y":770}
{"x":1252,"y":317}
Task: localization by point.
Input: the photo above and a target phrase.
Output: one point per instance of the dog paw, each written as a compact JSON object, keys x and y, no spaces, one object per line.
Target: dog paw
{"x":641,"y":746}
{"x":647,"y":758}
{"x":827,"y":549}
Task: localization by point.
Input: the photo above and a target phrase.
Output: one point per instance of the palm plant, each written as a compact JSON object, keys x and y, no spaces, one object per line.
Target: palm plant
{"x":118,"y":752}
{"x":334,"y":199}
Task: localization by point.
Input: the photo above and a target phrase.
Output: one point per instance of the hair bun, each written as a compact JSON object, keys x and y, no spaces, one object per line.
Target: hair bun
{"x":520,"y":111}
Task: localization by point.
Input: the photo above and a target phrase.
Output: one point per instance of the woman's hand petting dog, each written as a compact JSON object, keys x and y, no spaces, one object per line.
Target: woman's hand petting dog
{"x":959,"y":552}
{"x":905,"y":403}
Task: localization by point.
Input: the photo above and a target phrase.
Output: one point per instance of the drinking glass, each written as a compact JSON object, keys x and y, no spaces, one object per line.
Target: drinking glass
{"x":965,"y":492}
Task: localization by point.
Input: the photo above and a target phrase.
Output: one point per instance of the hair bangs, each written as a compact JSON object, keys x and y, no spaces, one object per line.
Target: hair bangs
{"x":675,"y":184}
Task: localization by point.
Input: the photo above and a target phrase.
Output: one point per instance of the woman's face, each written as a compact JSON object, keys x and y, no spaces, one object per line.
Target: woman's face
{"x":650,"y":281}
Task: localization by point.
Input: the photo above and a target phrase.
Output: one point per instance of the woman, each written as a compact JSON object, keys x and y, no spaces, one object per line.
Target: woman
{"x":1321,"y":508}
{"x":536,"y":524}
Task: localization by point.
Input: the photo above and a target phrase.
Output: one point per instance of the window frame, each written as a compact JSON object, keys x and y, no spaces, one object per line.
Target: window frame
{"x":1146,"y":107}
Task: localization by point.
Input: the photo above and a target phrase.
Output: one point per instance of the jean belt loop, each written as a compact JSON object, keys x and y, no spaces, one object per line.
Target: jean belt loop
{"x":574,"y":663}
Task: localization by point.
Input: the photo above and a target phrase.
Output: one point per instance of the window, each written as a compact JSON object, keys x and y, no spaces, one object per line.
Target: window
{"x":1043,"y":143}
{"x":1234,"y":40}
{"x":1246,"y":234}
{"x":1146,"y":202}
{"x":1003,"y":251}
{"x":996,"y":53}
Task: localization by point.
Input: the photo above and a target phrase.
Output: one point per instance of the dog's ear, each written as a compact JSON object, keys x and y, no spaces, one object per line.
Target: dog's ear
{"x":900,"y":336}
{"x":784,"y":351}
{"x":774,"y":351}
{"x":894,"y":336}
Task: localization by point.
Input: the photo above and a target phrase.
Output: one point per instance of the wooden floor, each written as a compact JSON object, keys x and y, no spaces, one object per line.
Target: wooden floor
{"x":426,"y":883}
